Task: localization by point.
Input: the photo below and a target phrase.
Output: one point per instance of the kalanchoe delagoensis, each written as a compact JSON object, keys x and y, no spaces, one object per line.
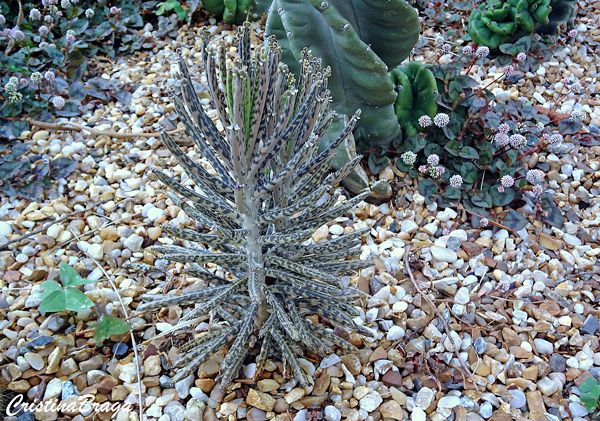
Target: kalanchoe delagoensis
{"x":271,"y":192}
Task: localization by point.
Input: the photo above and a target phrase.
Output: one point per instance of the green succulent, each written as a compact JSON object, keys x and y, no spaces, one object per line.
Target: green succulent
{"x":271,"y":192}
{"x":417,"y":95}
{"x":237,"y":11}
{"x":497,"y":22}
{"x":360,"y":40}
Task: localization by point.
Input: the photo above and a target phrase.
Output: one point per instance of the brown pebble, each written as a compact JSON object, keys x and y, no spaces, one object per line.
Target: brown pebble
{"x":107,"y":384}
{"x":378,"y":354}
{"x":392,"y":378}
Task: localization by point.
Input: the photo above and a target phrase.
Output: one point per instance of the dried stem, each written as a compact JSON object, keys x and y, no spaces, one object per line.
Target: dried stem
{"x":67,"y":125}
{"x":434,"y":308}
{"x":48,"y":225}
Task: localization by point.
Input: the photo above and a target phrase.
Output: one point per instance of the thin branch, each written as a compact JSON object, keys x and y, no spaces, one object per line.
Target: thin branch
{"x":497,"y":224}
{"x":434,"y":308}
{"x":67,"y":125}
{"x":48,"y":225}
{"x":127,"y":317}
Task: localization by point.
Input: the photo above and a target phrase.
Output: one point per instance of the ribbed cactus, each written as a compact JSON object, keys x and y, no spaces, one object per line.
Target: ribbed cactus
{"x":360,"y":40}
{"x":237,"y":11}
{"x":498,"y":22}
{"x":562,"y":15}
{"x":417,"y":95}
{"x":271,"y":192}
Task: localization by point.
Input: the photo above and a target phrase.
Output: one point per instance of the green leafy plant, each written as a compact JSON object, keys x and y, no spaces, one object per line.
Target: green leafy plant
{"x":108,"y":326}
{"x":175,"y":6}
{"x":57,"y":298}
{"x":472,"y":152}
{"x":360,"y":40}
{"x":271,"y":191}
{"x":590,"y":394}
{"x":45,"y":51}
{"x":237,"y":11}
{"x":27,"y":177}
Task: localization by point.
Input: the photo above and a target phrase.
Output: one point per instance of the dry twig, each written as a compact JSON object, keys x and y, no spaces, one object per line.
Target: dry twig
{"x":48,"y":225}
{"x":67,"y":125}
{"x":434,"y":308}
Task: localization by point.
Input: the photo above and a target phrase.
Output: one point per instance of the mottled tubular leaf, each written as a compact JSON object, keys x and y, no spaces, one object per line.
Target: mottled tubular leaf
{"x":186,"y":255}
{"x":324,"y":333}
{"x":341,"y":268}
{"x":302,"y":283}
{"x":284,"y":321}
{"x":236,"y":354}
{"x":202,"y":339}
{"x":199,"y":175}
{"x":332,"y":257}
{"x":302,"y":269}
{"x":307,"y":201}
{"x":273,"y":239}
{"x":263,"y":355}
{"x":191,"y":235}
{"x":308,"y":183}
{"x":290,"y":357}
{"x":315,"y":295}
{"x":254,"y":287}
{"x":162,"y":300}
{"x":216,"y":300}
{"x":202,"y":273}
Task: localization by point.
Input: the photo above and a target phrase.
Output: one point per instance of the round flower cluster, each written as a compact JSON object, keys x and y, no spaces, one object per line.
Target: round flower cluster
{"x":436,"y":172}
{"x":555,"y":138}
{"x":578,"y":115}
{"x":2,"y":19}
{"x":409,"y":158}
{"x":484,"y":222}
{"x":58,"y":102}
{"x":65,"y":4}
{"x":422,"y":168}
{"x":54,"y":9}
{"x":573,"y":33}
{"x":49,"y":76}
{"x":518,"y":141}
{"x":89,"y":13}
{"x":482,"y":51}
{"x":507,"y":181}
{"x":575,"y":87}
{"x":17,"y":34}
{"x":44,"y":30}
{"x":446,"y":48}
{"x":11,"y":90}
{"x":467,"y":50}
{"x":48,"y":19}
{"x":501,"y":139}
{"x":114,"y":10}
{"x":35,"y":14}
{"x":48,"y":3}
{"x":537,"y":190}
{"x":508,"y":70}
{"x":539,"y":126}
{"x":441,"y":119}
{"x":70,"y":38}
{"x":445,"y":231}
{"x":504,"y":128}
{"x":36,"y":77}
{"x":456,"y":181}
{"x":521,"y":57}
{"x":425,"y":121}
{"x":535,"y":176}
{"x":433,"y":159}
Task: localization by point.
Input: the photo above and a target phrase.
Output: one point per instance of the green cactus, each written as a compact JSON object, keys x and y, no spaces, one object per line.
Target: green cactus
{"x":497,"y":22}
{"x":417,"y":94}
{"x":360,"y":40}
{"x":563,"y":14}
{"x":237,"y":11}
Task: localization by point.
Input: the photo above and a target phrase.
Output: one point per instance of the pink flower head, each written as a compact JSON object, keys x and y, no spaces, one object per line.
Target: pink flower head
{"x":504,"y":128}
{"x":573,"y":33}
{"x":425,"y":121}
{"x":508,"y":70}
{"x":521,"y":57}
{"x":507,"y":181}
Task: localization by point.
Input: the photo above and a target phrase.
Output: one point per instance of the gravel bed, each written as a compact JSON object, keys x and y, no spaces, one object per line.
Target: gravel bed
{"x":522,"y":306}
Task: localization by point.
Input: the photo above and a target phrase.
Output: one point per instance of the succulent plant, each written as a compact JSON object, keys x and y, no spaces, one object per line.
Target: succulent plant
{"x":496,"y":22}
{"x":562,"y":16}
{"x":360,"y":40}
{"x":417,"y":95}
{"x":271,"y":192}
{"x":237,"y":11}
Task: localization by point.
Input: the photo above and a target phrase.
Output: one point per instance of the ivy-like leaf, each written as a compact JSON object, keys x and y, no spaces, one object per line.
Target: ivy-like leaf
{"x":569,"y":126}
{"x":69,"y":277}
{"x":501,"y":199}
{"x":468,"y":171}
{"x":428,"y":188}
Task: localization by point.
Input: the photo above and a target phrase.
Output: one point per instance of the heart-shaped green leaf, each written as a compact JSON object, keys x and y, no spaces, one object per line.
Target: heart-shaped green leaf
{"x":69,"y":277}
{"x":76,"y":300}
{"x":54,"y":302}
{"x":109,"y":325}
